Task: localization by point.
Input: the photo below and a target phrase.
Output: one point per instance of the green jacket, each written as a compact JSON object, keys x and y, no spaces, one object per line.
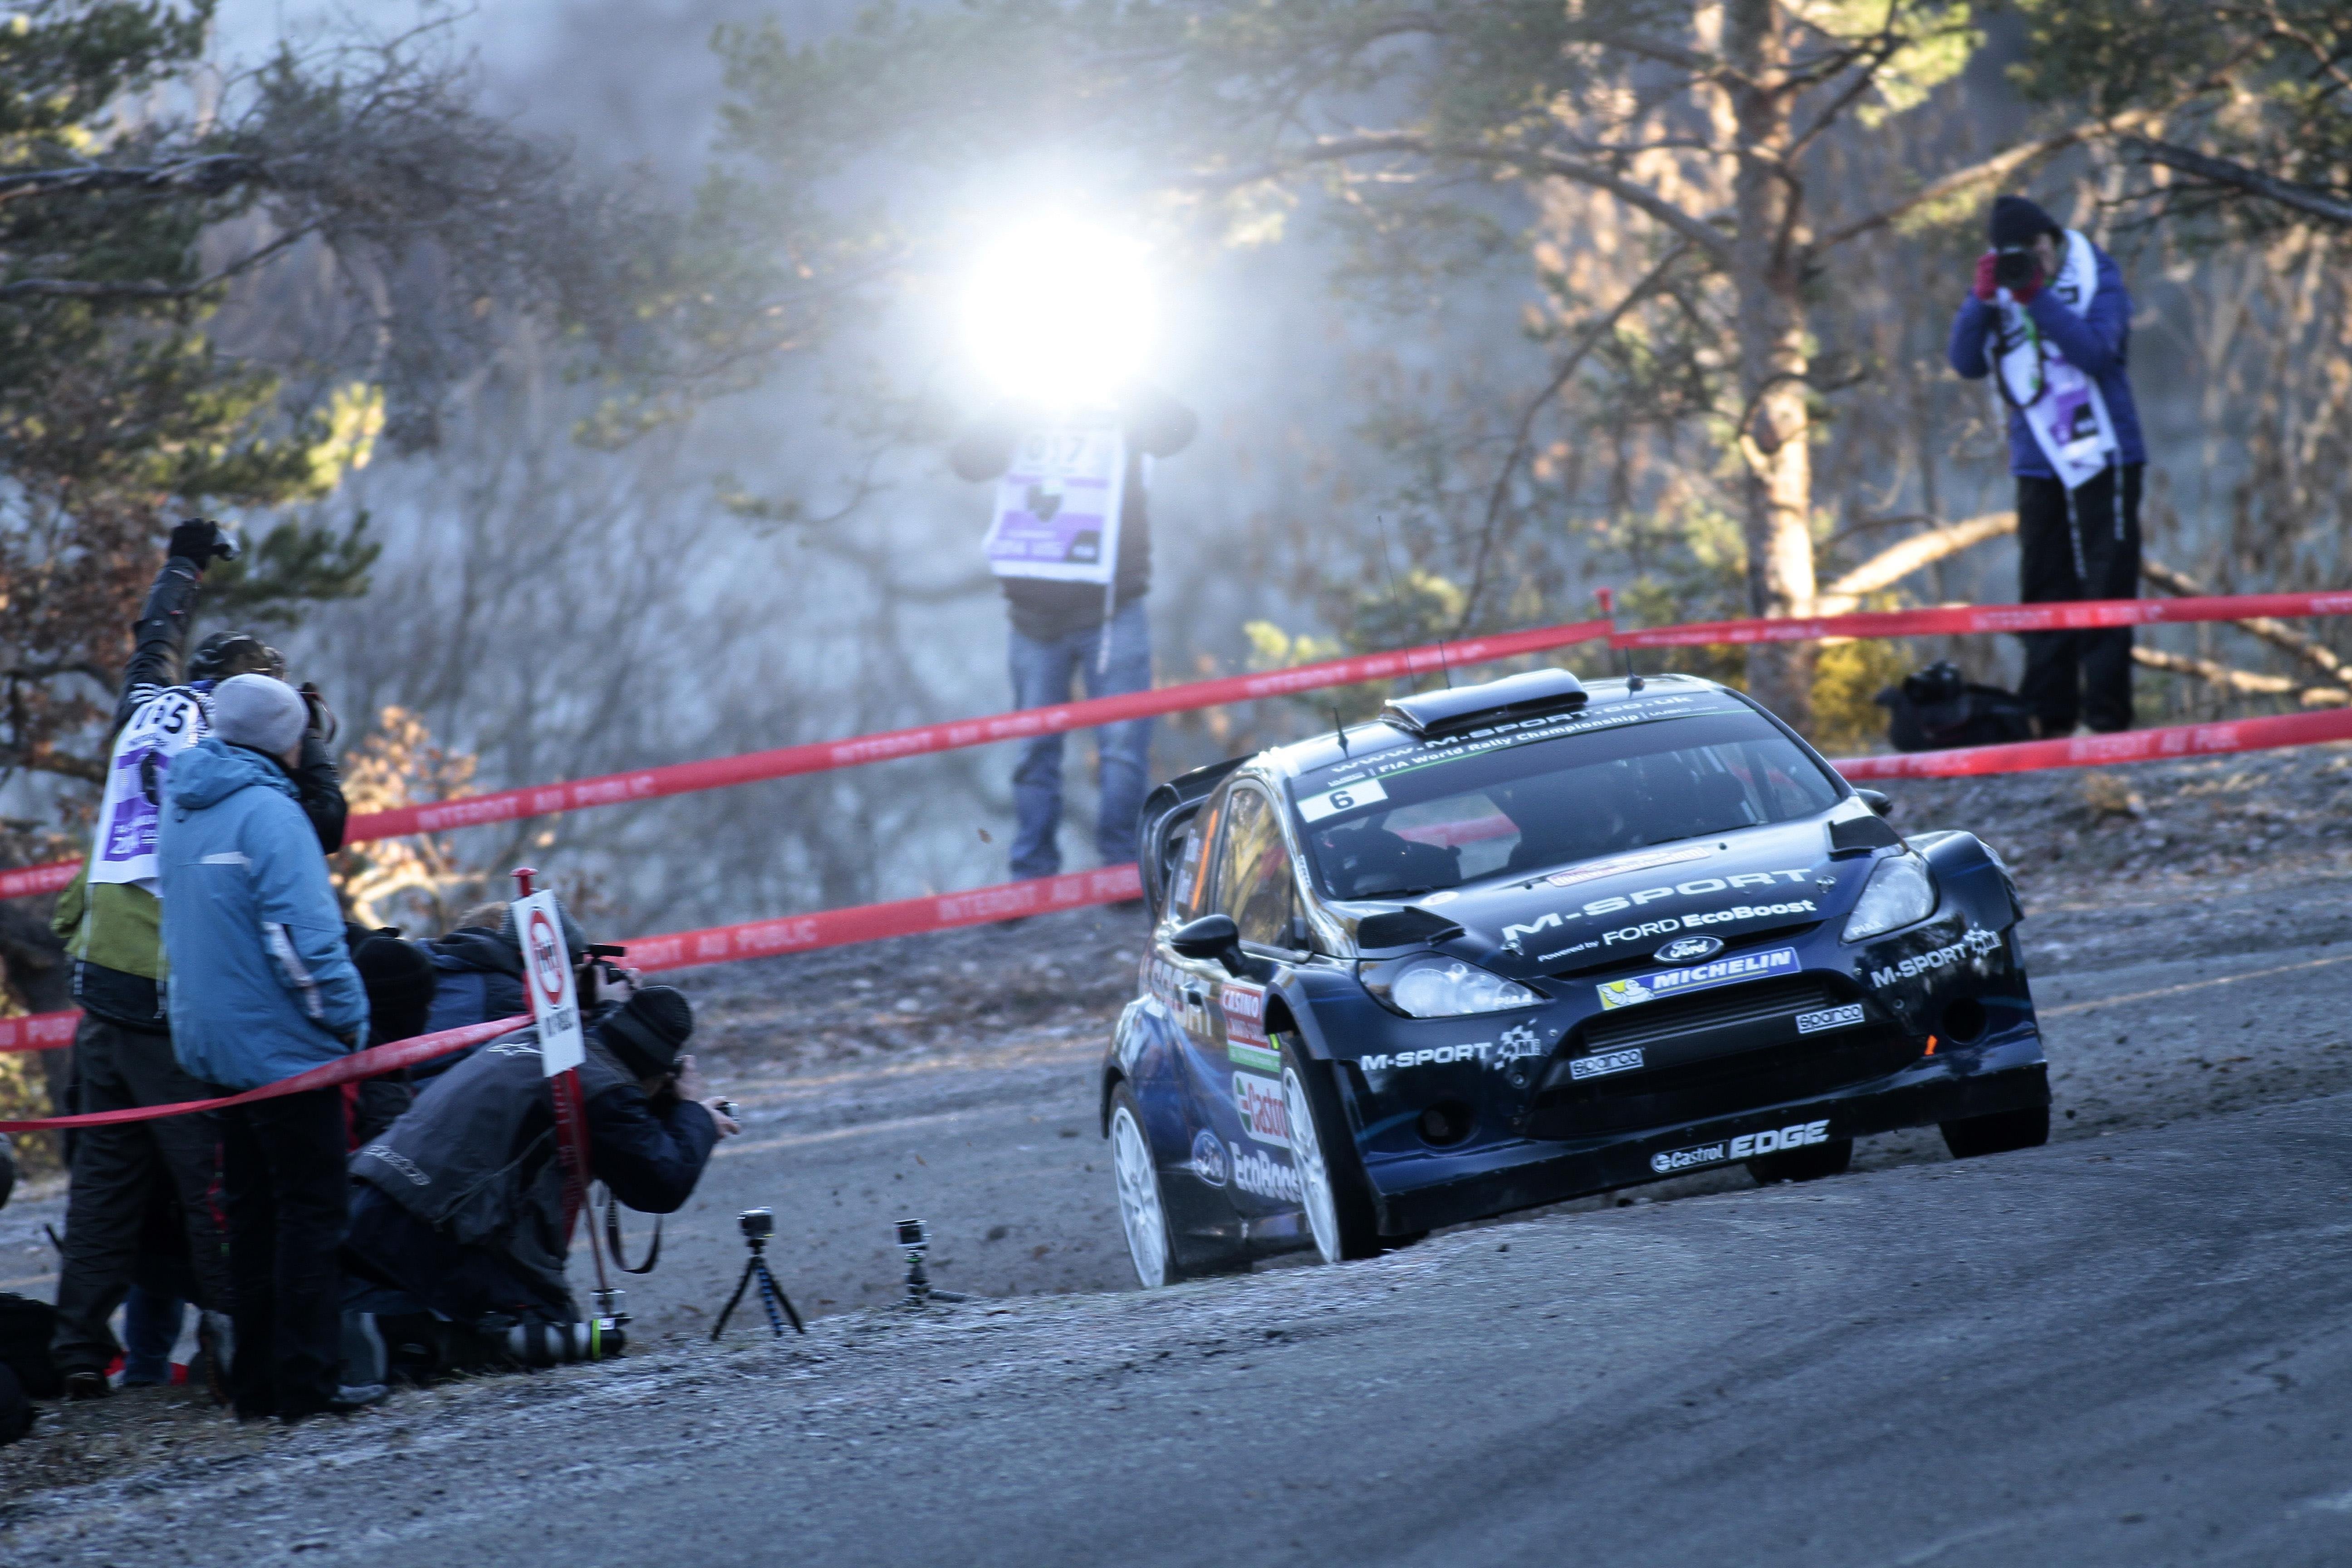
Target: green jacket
{"x":116,"y":924}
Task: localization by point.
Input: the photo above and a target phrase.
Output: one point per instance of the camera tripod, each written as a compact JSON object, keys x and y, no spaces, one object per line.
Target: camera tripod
{"x":773,"y":1300}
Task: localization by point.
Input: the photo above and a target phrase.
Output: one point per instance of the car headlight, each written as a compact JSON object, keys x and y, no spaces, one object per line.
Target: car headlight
{"x":1900,"y":893}
{"x":1427,"y":986}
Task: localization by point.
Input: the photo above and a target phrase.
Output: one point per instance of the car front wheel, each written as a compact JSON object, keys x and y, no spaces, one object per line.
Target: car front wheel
{"x":1331,"y":1182}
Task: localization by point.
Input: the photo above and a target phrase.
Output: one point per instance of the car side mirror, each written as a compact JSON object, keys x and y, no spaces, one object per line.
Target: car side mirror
{"x":1213,"y":936}
{"x":1877,"y":800}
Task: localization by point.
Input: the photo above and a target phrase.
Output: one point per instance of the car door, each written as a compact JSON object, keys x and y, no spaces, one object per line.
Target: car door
{"x":1256,"y":885}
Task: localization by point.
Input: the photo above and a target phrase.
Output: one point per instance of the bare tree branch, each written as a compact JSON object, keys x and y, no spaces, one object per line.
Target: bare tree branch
{"x":2278,"y":633}
{"x":207,"y":175}
{"x":2243,"y":682}
{"x":1585,"y":342}
{"x":1998,"y":166}
{"x":1339,"y":149}
{"x":1696,"y":61}
{"x":146,"y":289}
{"x":2311,"y":199}
{"x":1896,"y":562}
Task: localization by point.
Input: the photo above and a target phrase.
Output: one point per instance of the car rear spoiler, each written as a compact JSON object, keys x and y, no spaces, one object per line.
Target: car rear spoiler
{"x":1167,"y":811}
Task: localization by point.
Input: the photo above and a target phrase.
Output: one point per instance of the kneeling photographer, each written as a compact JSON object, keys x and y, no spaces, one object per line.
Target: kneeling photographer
{"x":457,"y":1209}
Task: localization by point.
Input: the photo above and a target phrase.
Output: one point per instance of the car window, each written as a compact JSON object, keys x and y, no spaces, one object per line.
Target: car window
{"x":1189,"y":897}
{"x":1254,"y":882}
{"x":1524,"y":809}
{"x":1481,"y":834}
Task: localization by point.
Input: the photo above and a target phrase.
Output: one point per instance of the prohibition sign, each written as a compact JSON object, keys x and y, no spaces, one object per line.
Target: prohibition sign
{"x":546,"y":950}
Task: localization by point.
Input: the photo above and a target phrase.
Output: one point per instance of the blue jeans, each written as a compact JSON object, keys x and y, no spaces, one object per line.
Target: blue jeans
{"x":1042,"y":674}
{"x":150,"y":1326}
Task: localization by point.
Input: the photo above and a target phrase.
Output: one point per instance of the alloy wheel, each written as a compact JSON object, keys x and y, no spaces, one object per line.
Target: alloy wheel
{"x":1314,"y":1176}
{"x":1139,"y":1200}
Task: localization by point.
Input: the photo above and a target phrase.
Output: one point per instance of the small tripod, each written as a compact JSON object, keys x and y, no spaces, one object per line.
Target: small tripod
{"x":758,"y":1225}
{"x":914,"y":1240}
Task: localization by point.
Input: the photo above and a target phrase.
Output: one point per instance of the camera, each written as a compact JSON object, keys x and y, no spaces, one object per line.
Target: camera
{"x":2014,"y":266}
{"x":557,"y":1344}
{"x":598,"y":972}
{"x":758,"y":1225}
{"x":911,"y":1236}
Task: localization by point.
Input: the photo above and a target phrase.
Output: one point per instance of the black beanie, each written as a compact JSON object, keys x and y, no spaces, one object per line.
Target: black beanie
{"x":649,"y":1030}
{"x":400,"y":983}
{"x":2018,"y":221}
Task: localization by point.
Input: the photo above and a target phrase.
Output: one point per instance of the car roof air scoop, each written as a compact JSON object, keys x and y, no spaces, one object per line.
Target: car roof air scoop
{"x":1432,"y":715}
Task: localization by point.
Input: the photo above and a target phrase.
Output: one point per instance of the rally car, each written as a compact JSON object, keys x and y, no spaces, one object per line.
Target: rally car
{"x":1525,"y":940}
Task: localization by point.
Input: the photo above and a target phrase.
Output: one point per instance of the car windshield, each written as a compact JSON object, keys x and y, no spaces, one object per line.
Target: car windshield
{"x":1518,"y":809}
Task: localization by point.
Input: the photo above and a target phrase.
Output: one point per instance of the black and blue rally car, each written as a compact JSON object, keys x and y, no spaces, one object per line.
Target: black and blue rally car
{"x":1520,"y":941}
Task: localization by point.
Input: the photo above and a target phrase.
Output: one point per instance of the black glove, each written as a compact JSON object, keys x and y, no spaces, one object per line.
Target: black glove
{"x":323,"y":723}
{"x":198,"y":541}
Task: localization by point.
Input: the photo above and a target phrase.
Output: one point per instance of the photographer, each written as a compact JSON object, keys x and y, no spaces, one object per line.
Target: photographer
{"x":2050,"y":321}
{"x":458,"y":1210}
{"x":111,"y":919}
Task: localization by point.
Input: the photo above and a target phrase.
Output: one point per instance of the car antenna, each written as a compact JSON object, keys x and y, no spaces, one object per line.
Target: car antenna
{"x":1633,"y":681}
{"x":1339,"y":729}
{"x":1396,"y":600}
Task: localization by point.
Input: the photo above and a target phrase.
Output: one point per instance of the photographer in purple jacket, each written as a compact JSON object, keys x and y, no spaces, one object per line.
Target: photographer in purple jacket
{"x":2050,"y":322}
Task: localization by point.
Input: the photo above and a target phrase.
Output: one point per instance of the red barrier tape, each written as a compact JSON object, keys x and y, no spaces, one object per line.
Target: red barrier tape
{"x":821,"y":757}
{"x":872,"y":922}
{"x":760,"y":939}
{"x":368,"y":1063}
{"x":1077,"y":889}
{"x":2085,"y":615}
{"x":2104,"y":751}
{"x":721,"y":773}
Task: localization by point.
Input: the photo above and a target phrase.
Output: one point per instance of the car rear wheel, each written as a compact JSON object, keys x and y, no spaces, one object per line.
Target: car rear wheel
{"x":1999,"y":1133}
{"x":1810,"y":1164}
{"x":1140,"y":1212}
{"x":1331,"y":1182}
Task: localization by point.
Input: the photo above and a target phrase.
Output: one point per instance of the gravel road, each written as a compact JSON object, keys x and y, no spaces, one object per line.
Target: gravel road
{"x":2107,"y":1350}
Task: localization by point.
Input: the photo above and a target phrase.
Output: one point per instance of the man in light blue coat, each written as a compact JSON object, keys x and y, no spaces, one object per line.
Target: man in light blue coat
{"x":261,"y":988}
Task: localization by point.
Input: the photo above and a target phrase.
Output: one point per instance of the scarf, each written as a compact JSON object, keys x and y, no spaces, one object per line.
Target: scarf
{"x":2059,"y":404}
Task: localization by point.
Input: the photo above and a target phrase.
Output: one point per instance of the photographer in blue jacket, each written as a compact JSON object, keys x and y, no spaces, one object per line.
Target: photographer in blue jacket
{"x":260,"y":987}
{"x":2050,"y":321}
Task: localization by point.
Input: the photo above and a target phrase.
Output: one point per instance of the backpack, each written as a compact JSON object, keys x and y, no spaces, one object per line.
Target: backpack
{"x":25,"y":1326}
{"x":1939,"y":706}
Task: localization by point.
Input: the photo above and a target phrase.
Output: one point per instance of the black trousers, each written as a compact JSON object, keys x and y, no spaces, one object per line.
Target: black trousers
{"x":2084,"y":546}
{"x":115,"y":1170}
{"x":287,"y":1200}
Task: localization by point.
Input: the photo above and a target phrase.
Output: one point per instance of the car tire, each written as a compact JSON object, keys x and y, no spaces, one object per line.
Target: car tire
{"x":1141,"y":1212}
{"x":1810,"y":1164}
{"x":1999,"y":1133}
{"x":1332,"y":1186}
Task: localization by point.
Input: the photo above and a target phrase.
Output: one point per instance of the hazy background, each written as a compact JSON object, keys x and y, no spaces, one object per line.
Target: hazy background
{"x":555,"y":610}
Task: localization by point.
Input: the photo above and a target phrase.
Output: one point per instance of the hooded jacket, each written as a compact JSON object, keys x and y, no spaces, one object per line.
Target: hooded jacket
{"x":261,"y":986}
{"x":2097,"y":343}
{"x":461,"y":1203}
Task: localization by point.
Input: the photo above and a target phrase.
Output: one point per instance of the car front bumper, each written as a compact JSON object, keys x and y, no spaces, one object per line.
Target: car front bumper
{"x":1421,"y":1195}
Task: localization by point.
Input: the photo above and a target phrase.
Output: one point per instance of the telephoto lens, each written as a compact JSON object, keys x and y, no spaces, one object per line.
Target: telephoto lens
{"x":554,"y":1344}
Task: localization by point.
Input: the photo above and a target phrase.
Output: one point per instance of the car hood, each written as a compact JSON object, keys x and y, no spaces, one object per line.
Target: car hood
{"x":1619,"y":909}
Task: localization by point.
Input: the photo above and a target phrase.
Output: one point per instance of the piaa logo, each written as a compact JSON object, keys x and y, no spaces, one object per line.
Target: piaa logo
{"x":1689,"y":949}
